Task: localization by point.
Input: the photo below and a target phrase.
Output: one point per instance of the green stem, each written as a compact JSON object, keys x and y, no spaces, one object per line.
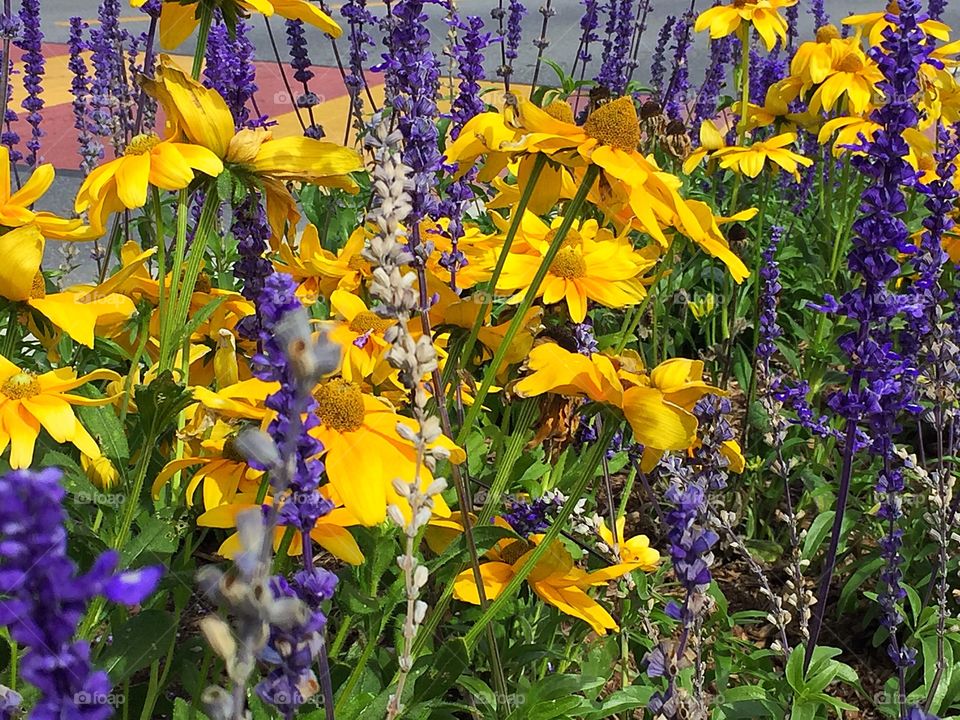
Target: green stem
{"x":13,"y":332}
{"x":206,"y":20}
{"x":515,"y":221}
{"x":634,"y":323}
{"x":341,"y":636}
{"x":164,"y":309}
{"x":347,"y":689}
{"x":591,"y":462}
{"x":181,"y":306}
{"x":518,"y":319}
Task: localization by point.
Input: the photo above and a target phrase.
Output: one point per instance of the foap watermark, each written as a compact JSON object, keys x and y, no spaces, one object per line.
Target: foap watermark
{"x":96,"y":699}
{"x":95,"y":497}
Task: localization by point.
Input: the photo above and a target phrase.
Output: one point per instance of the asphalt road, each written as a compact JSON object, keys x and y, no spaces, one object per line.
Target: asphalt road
{"x":563,"y":32}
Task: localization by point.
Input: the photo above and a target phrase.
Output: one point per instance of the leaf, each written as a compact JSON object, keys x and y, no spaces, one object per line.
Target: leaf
{"x":794,"y":670}
{"x":444,"y":667}
{"x":108,"y":431}
{"x":857,"y":579}
{"x":154,"y":536}
{"x":818,"y":531}
{"x":158,"y":405}
{"x":621,"y":701}
{"x":557,"y":708}
{"x":183,"y":711}
{"x":142,"y":639}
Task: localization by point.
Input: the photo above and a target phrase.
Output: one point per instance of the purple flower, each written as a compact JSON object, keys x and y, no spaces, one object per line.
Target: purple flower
{"x":658,"y":66}
{"x":935,"y":9}
{"x":820,"y":17}
{"x":722,"y":52}
{"x":277,"y":307}
{"x":252,"y":233}
{"x":358,"y":19}
{"x":229,"y":70}
{"x":616,"y":46}
{"x":42,"y":597}
{"x":31,"y":43}
{"x":674,"y":97}
{"x":515,"y":14}
{"x":106,"y":113}
{"x":468,"y":52}
{"x":770,"y":277}
{"x":530,"y":517}
{"x":412,"y":79}
{"x":588,"y":30}
{"x":90,"y":147}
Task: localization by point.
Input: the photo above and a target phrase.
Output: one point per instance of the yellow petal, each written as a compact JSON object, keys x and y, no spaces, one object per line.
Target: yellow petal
{"x":22,"y":253}
{"x":494,"y":576}
{"x":656,"y":423}
{"x":308,"y":13}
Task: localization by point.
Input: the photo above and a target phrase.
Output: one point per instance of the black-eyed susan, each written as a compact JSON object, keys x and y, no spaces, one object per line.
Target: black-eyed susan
{"x":751,"y":160}
{"x":632,"y":550}
{"x":607,"y":140}
{"x":358,"y":330}
{"x":555,"y":579}
{"x":80,"y":311}
{"x":16,"y":208}
{"x":592,"y":264}
{"x":202,"y":117}
{"x":318,"y":271}
{"x":29,"y":401}
{"x":852,"y":75}
{"x":330,"y":531}
{"x":147,"y":161}
{"x":873,"y":24}
{"x":353,"y":422}
{"x":813,"y":59}
{"x":763,"y":15}
{"x":179,"y":20}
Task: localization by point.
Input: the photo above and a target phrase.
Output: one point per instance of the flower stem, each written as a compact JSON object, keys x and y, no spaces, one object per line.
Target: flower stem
{"x":489,"y":376}
{"x":206,"y":20}
{"x":591,"y":462}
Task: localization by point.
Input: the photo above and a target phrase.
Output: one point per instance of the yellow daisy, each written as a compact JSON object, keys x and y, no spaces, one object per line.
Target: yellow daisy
{"x":29,"y":401}
{"x":750,"y":160}
{"x":764,"y":15}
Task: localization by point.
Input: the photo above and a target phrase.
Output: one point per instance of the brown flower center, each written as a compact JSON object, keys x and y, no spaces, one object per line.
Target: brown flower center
{"x":204,"y":285}
{"x":851,"y":64}
{"x":142,"y":143}
{"x":826,"y":33}
{"x":514,"y":551}
{"x":568,"y":264}
{"x":560,"y":110}
{"x":573,"y":237}
{"x":358,"y":263}
{"x":340,"y":405}
{"x":230,"y":451}
{"x":38,"y":290}
{"x":366,"y":321}
{"x":615,"y":124}
{"x":20,"y":386}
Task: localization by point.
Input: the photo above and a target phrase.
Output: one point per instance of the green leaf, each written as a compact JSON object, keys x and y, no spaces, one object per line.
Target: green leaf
{"x":108,"y":431}
{"x":444,"y":667}
{"x":183,"y":711}
{"x":158,"y":405}
{"x":818,"y":531}
{"x":794,"y":670}
{"x":154,"y":537}
{"x":142,"y":639}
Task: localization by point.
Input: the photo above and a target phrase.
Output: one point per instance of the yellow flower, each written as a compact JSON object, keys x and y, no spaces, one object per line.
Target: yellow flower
{"x":222,"y":471}
{"x":16,"y":207}
{"x":330,"y":531}
{"x":360,"y":333}
{"x":318,"y":270}
{"x":555,"y":579}
{"x":608,"y":140}
{"x":79,"y":311}
{"x":813,"y":59}
{"x":848,"y":131}
{"x":148,"y":160}
{"x":711,"y":140}
{"x":852,"y":74}
{"x":724,"y":20}
{"x":201,"y":115}
{"x":100,"y":471}
{"x":703,"y":227}
{"x":353,"y":422}
{"x":873,"y":24}
{"x":657,"y":406}
{"x":29,"y":401}
{"x":591,"y":265}
{"x":635,"y":550}
{"x":750,"y":160}
{"x":178,"y":20}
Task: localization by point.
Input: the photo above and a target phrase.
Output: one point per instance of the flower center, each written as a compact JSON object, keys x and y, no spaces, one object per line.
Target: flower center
{"x":560,"y":110}
{"x":366,"y":321}
{"x":340,"y":405}
{"x":230,"y":451}
{"x":573,"y":238}
{"x":568,"y":264}
{"x":204,"y":285}
{"x":142,"y":143}
{"x":615,"y":124}
{"x":826,"y":33}
{"x":358,"y":263}
{"x":851,"y":64}
{"x":20,"y":386}
{"x":514,"y":551}
{"x":38,"y":290}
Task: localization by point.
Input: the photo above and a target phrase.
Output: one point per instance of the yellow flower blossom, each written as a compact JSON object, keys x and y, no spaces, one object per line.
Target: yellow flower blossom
{"x":29,"y":401}
{"x":764,"y":15}
{"x":750,"y":160}
{"x":633,"y":550}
